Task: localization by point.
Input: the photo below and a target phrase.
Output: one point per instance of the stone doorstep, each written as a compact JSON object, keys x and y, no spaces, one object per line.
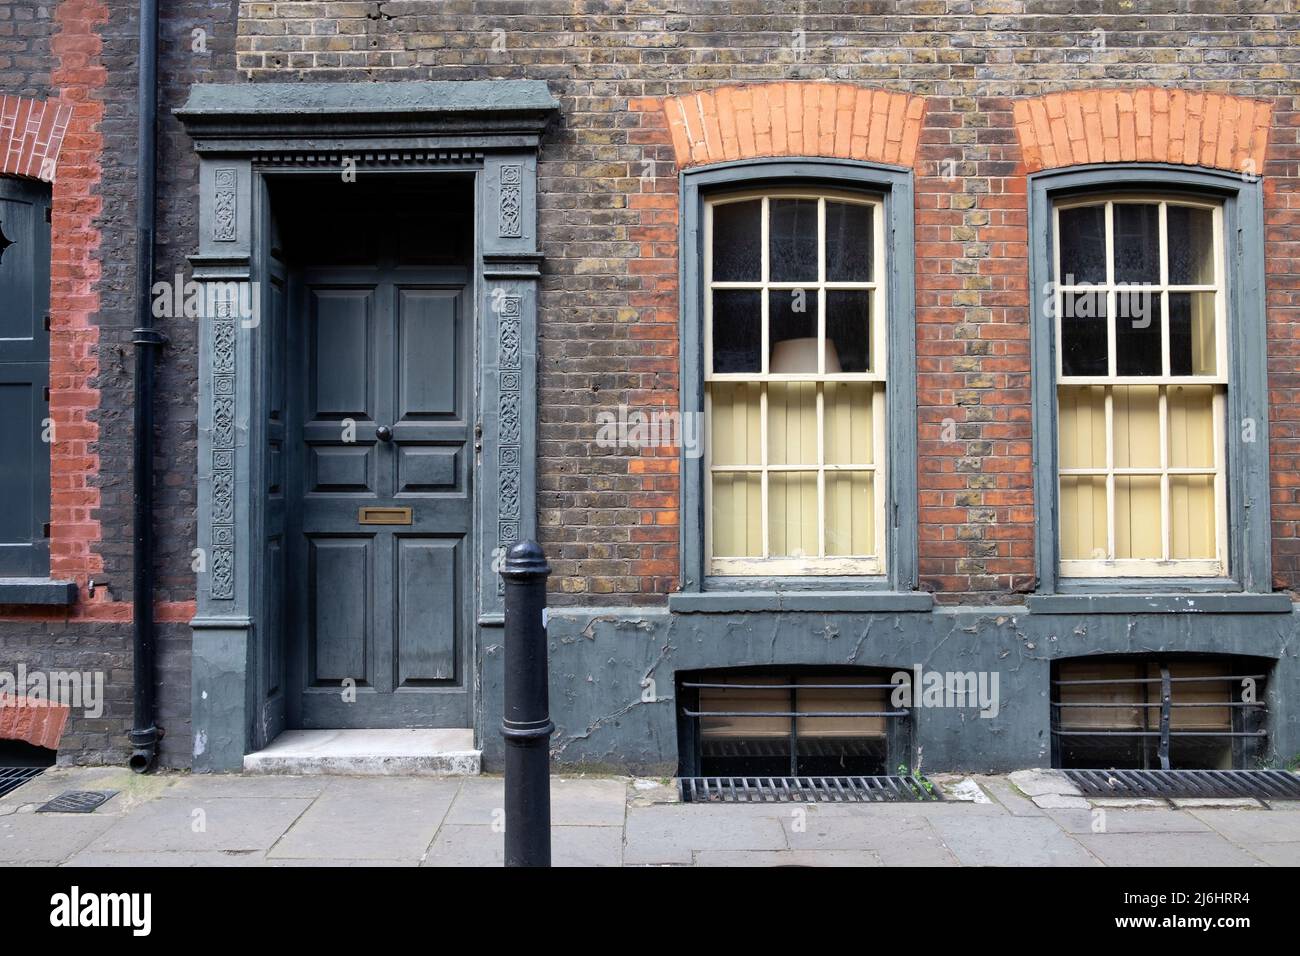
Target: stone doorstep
{"x":381,"y":753}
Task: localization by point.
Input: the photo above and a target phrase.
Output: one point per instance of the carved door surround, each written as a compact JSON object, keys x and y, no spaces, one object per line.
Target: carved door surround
{"x":247,"y":135}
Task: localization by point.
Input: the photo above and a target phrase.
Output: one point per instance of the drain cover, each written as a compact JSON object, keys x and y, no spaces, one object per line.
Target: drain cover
{"x":1270,"y":784}
{"x":889,"y":789}
{"x":77,"y":801}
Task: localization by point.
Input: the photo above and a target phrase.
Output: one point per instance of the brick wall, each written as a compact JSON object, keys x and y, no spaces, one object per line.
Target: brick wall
{"x":608,"y":219}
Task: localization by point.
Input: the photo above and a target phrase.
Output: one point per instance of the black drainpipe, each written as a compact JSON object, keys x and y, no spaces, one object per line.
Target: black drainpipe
{"x":144,"y":733}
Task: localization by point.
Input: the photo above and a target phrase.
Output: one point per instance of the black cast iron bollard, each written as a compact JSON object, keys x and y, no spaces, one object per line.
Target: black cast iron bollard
{"x":526,"y":724}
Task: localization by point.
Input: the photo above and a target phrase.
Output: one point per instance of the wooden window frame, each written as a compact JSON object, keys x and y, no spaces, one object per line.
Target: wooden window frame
{"x":894,"y":588}
{"x":1165,"y":566}
{"x":822,"y":563}
{"x":1246,"y":464}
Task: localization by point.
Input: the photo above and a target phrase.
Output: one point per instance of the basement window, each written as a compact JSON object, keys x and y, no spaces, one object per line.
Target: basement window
{"x":1180,"y":712}
{"x":790,"y":722}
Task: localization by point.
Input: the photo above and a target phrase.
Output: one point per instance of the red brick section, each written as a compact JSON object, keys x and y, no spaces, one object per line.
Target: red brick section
{"x":794,"y":119}
{"x":975,"y":461}
{"x":74,"y":302}
{"x":36,"y":721}
{"x":710,"y":126}
{"x":31,"y":133}
{"x":1144,"y":125}
{"x":651,"y":312}
{"x":1282,"y":286}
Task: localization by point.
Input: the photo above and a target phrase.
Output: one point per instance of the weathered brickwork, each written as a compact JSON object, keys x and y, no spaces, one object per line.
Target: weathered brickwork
{"x":982,"y":93}
{"x":608,"y":211}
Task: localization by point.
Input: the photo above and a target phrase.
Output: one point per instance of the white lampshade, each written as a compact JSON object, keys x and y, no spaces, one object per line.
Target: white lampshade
{"x":799,"y":356}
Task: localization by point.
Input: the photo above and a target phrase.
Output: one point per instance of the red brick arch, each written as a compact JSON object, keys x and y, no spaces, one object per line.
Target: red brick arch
{"x":1144,"y":125}
{"x":31,"y":134}
{"x":839,"y":120}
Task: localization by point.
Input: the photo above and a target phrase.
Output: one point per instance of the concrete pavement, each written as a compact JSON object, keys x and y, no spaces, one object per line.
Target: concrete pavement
{"x":171,"y":819}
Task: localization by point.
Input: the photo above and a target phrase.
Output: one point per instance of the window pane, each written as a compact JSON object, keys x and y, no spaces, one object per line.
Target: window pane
{"x":1137,"y":517}
{"x":1083,"y":517}
{"x":1137,"y":333}
{"x":792,"y":424}
{"x":792,"y":514}
{"x":1191,"y":426}
{"x":1083,"y":426}
{"x":738,"y":241}
{"x":792,"y":248}
{"x":850,"y":239}
{"x":850,"y":513}
{"x":1191,"y":333}
{"x":850,"y":423}
{"x":1191,"y":514}
{"x":792,"y":331}
{"x":1136,"y":411}
{"x":737,"y":330}
{"x":737,"y":515}
{"x":1083,"y":245}
{"x":735,"y":423}
{"x":848,"y":329}
{"x":1083,"y":333}
{"x":1137,"y":242}
{"x":1190,"y":234}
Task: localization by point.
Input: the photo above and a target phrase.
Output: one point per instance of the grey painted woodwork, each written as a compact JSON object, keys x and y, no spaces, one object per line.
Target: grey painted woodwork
{"x":1249,"y":547}
{"x":247,"y":137}
{"x":24,"y":379}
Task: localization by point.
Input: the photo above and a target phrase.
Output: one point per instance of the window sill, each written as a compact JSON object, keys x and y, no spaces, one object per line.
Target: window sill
{"x":1204,"y":603}
{"x":38,"y":591}
{"x":726,"y":602}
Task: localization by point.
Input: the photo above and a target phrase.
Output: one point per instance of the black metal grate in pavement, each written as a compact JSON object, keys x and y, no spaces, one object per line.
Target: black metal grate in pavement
{"x":11,"y":778}
{"x":77,"y":801}
{"x":1265,"y":784}
{"x":885,"y":789}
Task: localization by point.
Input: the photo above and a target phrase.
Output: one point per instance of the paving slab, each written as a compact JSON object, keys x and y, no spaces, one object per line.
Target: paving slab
{"x":894,"y":840}
{"x":1166,"y":849}
{"x":193,"y":823}
{"x":168,"y":858}
{"x":1249,"y":827}
{"x":1120,"y":820}
{"x":458,"y":845}
{"x":669,"y":834}
{"x":216,"y":785}
{"x":1277,"y":854}
{"x":575,"y":801}
{"x":369,"y":819}
{"x":1190,"y":803}
{"x":132,"y":788}
{"x":1016,"y":803}
{"x":772,"y":858}
{"x":48,"y":837}
{"x":1010,"y":841}
{"x":1039,"y":781}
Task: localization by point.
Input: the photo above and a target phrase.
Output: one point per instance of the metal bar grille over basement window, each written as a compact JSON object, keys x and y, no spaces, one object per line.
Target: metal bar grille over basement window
{"x":791,"y":723}
{"x":1145,"y":713}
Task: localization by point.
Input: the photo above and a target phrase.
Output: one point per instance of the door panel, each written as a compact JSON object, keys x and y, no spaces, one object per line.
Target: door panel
{"x":341,"y":589}
{"x":382,"y":421}
{"x":428,"y":571}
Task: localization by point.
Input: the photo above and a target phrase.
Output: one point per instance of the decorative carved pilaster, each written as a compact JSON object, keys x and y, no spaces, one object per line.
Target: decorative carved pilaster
{"x":509,"y":418}
{"x":510,"y":221}
{"x":225,"y":180}
{"x":224,"y":343}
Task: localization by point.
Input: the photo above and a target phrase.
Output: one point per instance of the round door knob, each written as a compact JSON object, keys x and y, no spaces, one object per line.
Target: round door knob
{"x":384,"y":433}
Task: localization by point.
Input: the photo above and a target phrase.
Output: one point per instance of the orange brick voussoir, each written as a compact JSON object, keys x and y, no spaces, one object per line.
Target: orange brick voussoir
{"x":1143,"y":125}
{"x":807,"y":118}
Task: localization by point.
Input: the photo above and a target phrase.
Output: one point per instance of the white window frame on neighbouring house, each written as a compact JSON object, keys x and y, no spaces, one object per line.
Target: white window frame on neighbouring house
{"x":821,"y":562}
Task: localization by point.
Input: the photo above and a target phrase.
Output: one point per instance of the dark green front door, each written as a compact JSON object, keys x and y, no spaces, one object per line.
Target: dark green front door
{"x":380,"y":434}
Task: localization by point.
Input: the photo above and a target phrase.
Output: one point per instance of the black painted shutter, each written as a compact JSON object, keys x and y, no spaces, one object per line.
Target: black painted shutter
{"x":24,"y":377}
